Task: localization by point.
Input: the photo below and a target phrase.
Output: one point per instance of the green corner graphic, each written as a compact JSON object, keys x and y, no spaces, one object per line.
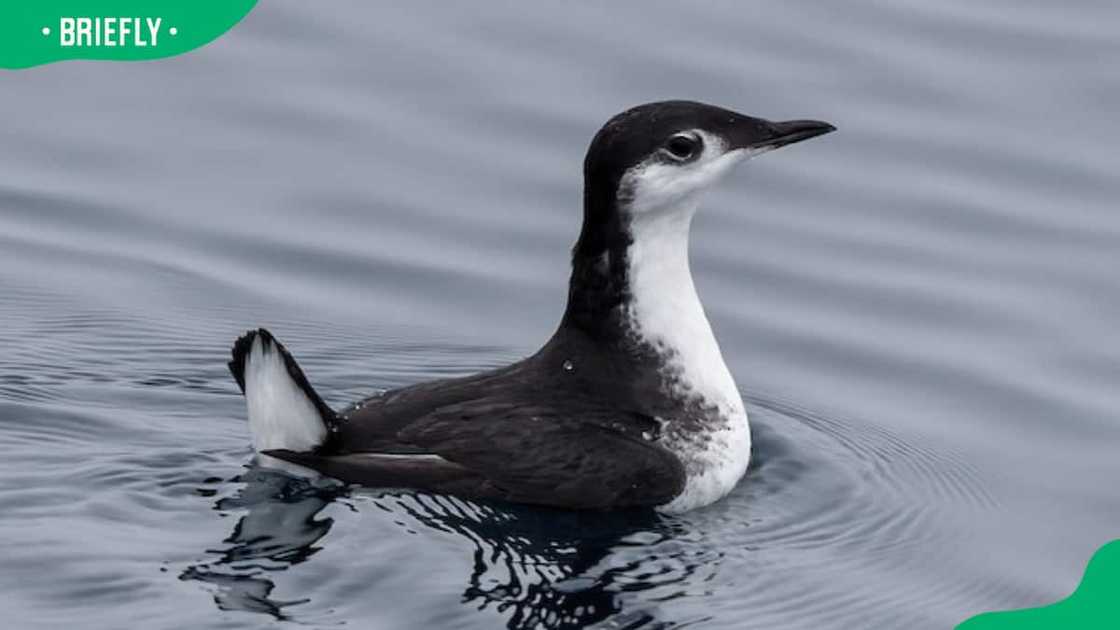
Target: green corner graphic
{"x":35,"y":32}
{"x":1095,"y":605}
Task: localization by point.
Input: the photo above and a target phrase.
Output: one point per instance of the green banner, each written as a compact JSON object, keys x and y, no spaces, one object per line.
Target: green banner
{"x":34,"y":32}
{"x":1095,"y":605}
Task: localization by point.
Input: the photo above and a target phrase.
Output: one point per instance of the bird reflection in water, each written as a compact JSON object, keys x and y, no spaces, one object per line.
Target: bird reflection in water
{"x":278,"y":530}
{"x":538,"y":568}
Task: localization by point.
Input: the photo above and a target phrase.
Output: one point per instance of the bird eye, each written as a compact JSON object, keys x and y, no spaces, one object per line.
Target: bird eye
{"x":683,"y":146}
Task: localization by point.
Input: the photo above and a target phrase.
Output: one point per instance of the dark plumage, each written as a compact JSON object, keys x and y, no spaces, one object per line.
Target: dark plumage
{"x":580,"y":424}
{"x":532,"y":432}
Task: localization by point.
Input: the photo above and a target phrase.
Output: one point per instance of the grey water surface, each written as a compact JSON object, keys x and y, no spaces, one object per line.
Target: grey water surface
{"x":921,"y":309}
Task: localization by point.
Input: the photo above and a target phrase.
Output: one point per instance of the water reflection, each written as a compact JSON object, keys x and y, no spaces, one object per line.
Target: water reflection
{"x":278,"y":530}
{"x":538,"y":568}
{"x":541,"y":568}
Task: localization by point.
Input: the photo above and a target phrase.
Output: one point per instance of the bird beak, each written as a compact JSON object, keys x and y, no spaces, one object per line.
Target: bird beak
{"x":770,"y":135}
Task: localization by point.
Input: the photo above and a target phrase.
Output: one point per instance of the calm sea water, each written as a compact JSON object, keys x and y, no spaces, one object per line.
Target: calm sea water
{"x":921,"y":311}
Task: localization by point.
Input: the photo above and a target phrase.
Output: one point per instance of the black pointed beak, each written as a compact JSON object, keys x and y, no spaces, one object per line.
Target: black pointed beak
{"x":771,"y":135}
{"x":759,"y":135}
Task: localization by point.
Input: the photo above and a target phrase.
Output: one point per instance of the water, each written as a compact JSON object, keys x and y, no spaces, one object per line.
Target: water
{"x":921,"y":311}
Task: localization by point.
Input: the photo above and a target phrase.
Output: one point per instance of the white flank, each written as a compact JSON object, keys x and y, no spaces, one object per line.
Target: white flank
{"x":281,"y":416}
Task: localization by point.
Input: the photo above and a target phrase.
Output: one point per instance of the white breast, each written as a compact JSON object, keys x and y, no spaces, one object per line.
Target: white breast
{"x":666,"y":313}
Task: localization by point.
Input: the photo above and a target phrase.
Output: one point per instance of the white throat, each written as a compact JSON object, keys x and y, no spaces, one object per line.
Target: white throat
{"x":666,"y":311}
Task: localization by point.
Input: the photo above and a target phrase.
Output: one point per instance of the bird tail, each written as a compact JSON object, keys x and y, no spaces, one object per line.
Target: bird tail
{"x":284,"y":410}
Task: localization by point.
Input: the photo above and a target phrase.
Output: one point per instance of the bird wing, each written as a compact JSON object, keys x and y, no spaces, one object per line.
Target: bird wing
{"x":578,"y":454}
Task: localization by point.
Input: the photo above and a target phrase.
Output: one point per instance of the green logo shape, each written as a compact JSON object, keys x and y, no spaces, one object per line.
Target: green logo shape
{"x":1094,"y":605}
{"x":34,"y":32}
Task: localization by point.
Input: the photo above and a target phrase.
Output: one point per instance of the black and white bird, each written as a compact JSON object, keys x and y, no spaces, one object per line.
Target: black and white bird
{"x":628,"y":404}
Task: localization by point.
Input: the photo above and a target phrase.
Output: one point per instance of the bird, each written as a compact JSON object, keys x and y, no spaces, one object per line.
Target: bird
{"x":629,"y":404}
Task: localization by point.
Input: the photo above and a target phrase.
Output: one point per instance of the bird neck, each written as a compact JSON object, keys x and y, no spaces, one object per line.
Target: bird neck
{"x":639,"y":296}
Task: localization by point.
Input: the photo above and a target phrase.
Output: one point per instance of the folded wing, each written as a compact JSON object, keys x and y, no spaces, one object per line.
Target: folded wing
{"x":578,"y":455}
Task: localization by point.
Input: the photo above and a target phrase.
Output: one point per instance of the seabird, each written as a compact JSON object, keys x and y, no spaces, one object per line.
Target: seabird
{"x":628,"y":404}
